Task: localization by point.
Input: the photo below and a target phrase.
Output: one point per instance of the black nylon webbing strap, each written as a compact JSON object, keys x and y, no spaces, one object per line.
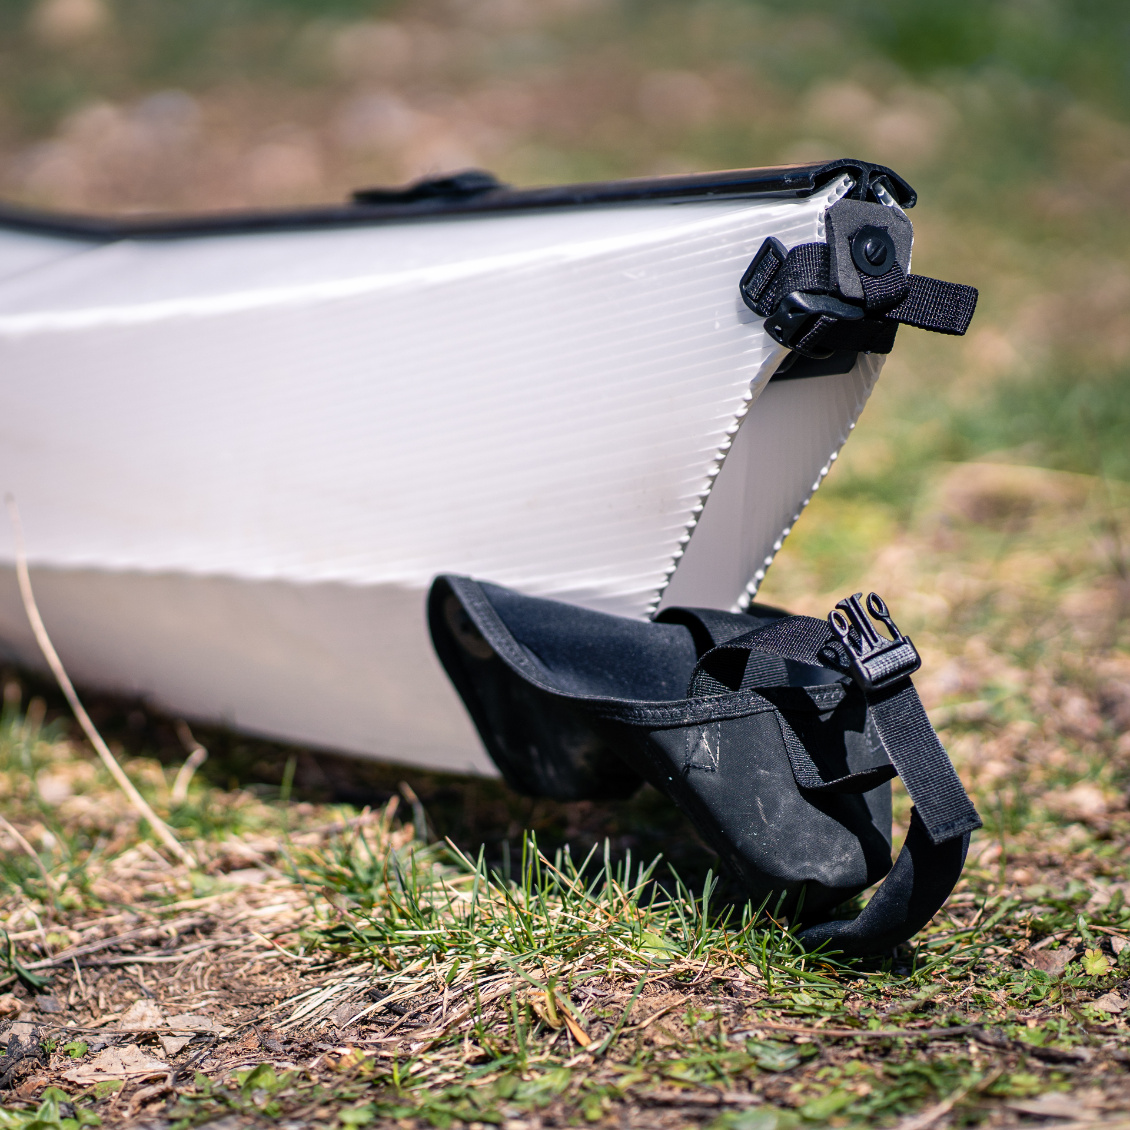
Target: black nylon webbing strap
{"x":760,"y":274}
{"x":944,"y":307}
{"x":747,"y":671}
{"x":921,"y":761}
{"x":814,"y":340}
{"x":881,"y":292}
{"x":890,"y":300}
{"x":900,"y":724}
{"x":709,"y":627}
{"x":805,"y":268}
{"x":803,"y":638}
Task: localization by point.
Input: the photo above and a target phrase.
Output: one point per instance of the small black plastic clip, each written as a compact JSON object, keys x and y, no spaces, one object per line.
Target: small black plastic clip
{"x":799,"y":311}
{"x":876,"y":661}
{"x":456,"y":186}
{"x":759,"y":275}
{"x":791,"y":315}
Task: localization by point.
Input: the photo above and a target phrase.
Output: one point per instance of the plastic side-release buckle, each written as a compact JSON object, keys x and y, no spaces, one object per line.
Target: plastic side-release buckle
{"x":876,"y":661}
{"x":799,"y":311}
{"x":791,"y":291}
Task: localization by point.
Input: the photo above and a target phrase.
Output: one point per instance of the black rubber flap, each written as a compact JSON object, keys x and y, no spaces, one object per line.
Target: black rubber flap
{"x":776,"y":758}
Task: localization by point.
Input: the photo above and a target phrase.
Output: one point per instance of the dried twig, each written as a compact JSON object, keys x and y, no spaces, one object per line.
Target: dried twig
{"x":656,"y":1015}
{"x":147,"y":1094}
{"x":144,"y":934}
{"x":16,"y":835}
{"x":163,"y":831}
{"x":197,"y":755}
{"x":865,"y":1033}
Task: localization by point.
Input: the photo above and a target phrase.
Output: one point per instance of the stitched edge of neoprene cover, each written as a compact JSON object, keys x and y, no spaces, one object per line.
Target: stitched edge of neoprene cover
{"x":722,"y":760}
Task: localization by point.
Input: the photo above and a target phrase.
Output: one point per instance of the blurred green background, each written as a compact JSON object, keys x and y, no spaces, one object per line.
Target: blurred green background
{"x":1009,"y":116}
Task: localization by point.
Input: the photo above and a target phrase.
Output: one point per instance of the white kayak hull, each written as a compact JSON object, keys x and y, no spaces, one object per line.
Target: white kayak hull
{"x":241,"y":457}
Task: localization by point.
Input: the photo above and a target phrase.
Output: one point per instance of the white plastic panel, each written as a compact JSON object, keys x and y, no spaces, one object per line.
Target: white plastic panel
{"x":241,"y":459}
{"x":22,"y":252}
{"x":536,"y":399}
{"x":782,"y":451}
{"x":330,"y":666}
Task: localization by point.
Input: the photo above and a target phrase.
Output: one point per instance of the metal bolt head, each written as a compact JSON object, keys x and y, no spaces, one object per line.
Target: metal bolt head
{"x":873,"y":250}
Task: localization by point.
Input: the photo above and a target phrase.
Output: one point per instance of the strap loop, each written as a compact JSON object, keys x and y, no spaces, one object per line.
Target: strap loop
{"x":802,"y":300}
{"x":942,"y":307}
{"x":809,"y":777}
{"x":919,"y":883}
{"x":900,"y":721}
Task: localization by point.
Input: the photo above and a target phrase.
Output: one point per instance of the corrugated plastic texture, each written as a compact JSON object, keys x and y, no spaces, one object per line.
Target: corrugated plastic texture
{"x":536,"y":399}
{"x":783,"y":449}
{"x":338,"y":667}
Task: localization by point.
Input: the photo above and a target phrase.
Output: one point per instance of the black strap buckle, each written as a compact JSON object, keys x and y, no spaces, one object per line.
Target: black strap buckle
{"x":876,"y":661}
{"x":798,"y":312}
{"x":850,"y":293}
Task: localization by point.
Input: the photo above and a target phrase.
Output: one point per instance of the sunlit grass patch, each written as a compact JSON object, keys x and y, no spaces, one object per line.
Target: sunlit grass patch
{"x":380,"y":966}
{"x":422,"y":983}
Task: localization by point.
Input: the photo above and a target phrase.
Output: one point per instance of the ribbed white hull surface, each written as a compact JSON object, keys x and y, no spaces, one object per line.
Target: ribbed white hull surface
{"x":240,"y":459}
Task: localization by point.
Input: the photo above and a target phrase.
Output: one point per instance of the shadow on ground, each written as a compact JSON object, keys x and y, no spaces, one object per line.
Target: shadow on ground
{"x":472,"y":812}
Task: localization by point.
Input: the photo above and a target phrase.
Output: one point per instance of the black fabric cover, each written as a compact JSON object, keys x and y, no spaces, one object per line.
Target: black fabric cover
{"x":778,"y":762}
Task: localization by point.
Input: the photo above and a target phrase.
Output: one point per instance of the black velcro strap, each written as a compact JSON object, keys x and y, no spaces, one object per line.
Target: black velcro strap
{"x":931,"y":304}
{"x":900,"y":723}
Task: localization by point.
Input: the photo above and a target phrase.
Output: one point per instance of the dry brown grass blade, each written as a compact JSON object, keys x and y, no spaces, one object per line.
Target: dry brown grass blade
{"x":197,"y":755}
{"x":453,"y":1022}
{"x":575,"y":1030}
{"x":163,"y":831}
{"x":18,"y":837}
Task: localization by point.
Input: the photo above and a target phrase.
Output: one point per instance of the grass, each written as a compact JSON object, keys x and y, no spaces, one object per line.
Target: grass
{"x":381,"y":967}
{"x":1061,"y":418}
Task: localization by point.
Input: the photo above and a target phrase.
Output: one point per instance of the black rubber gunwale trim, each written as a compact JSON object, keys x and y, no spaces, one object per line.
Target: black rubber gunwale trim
{"x":734,"y":184}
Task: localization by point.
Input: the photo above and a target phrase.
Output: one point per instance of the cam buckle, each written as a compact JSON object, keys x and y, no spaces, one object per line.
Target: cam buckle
{"x":799,"y":311}
{"x":876,"y":661}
